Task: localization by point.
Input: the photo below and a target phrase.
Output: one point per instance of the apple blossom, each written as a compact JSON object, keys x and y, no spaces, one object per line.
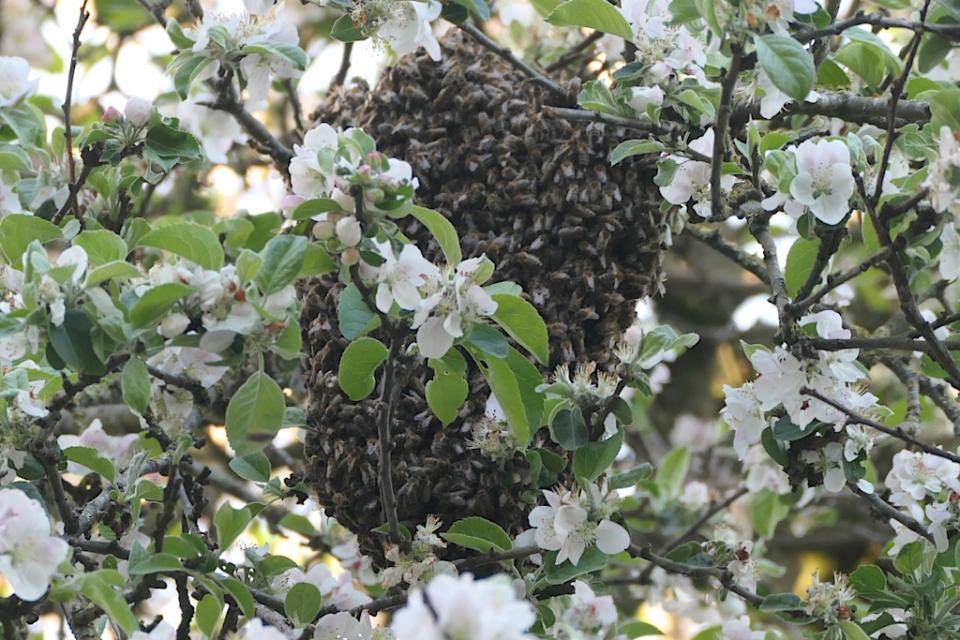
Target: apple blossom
{"x":15,"y":83}
{"x":407,"y":27}
{"x":824,"y":180}
{"x":138,"y":111}
{"x":462,"y":608}
{"x":29,"y":554}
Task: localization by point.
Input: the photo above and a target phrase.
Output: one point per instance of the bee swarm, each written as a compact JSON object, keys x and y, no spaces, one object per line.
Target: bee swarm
{"x":538,"y":196}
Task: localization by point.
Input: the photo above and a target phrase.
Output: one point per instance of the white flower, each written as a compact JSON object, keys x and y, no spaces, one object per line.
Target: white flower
{"x":138,"y":111}
{"x":950,"y":253}
{"x":440,"y":317}
{"x":257,"y":630}
{"x":9,"y":200}
{"x":399,"y":278}
{"x":461,"y":608}
{"x":743,"y":413}
{"x":692,"y":178}
{"x":162,"y":631}
{"x":348,"y":231}
{"x":824,"y":180}
{"x":944,"y":177}
{"x":192,"y":362}
{"x":306,"y":175}
{"x":29,"y":555}
{"x":339,"y":591}
{"x":642,"y":97}
{"x":76,"y":257}
{"x":343,"y":626}
{"x":589,"y":612}
{"x":569,"y":524}
{"x":117,"y":449}
{"x":216,"y":133}
{"x":739,"y":629}
{"x":173,"y":325}
{"x":407,"y":27}
{"x":774,"y":99}
{"x":15,"y":83}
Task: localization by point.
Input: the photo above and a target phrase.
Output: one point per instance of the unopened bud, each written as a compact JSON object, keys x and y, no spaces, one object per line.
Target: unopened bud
{"x":350,"y":257}
{"x":349,"y":231}
{"x":111,"y":114}
{"x":138,"y":111}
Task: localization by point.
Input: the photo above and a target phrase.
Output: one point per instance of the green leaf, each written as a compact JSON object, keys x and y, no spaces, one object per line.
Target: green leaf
{"x":315,"y":207}
{"x":852,"y":631}
{"x":73,"y":343}
{"x":630,"y":148}
{"x":487,"y":339}
{"x":208,"y":614}
{"x":254,"y":414}
{"x":442,"y":230}
{"x":638,"y":629}
{"x":766,"y":512}
{"x":152,"y":306}
{"x":316,"y":261}
{"x":241,"y":595}
{"x":91,"y":459}
{"x":345,"y":31}
{"x":302,"y":604}
{"x":354,"y":317}
{"x":357,"y":365}
{"x":592,"y":560}
{"x":568,"y":429}
{"x":187,"y":70}
{"x":595,"y":14}
{"x":521,"y":321}
{"x":254,"y":467}
{"x":230,"y":524}
{"x":593,"y":458}
{"x":506,"y":389}
{"x":177,"y":36}
{"x":156,"y":563}
{"x":26,"y":121}
{"x":788,"y":65}
{"x":166,"y":146}
{"x":800,"y":262}
{"x":933,"y":49}
{"x":102,"y":246}
{"x":135,"y":384}
{"x":282,"y":258}
{"x":122,"y":16}
{"x":672,"y":472}
{"x":944,"y":110}
{"x":291,"y":52}
{"x":104,"y":588}
{"x":112,"y":270}
{"x":868,"y":578}
{"x":18,"y":230}
{"x":446,"y":393}
{"x":632,"y":477}
{"x":778,"y":602}
{"x":478,"y":534}
{"x":196,"y":243}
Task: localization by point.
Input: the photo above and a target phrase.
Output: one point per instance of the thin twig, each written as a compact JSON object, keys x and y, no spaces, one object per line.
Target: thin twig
{"x":888,"y":510}
{"x":574,"y":52}
{"x":716,"y":241}
{"x":67,"y":105}
{"x":344,"y":69}
{"x":895,"y":432}
{"x":727,"y":87}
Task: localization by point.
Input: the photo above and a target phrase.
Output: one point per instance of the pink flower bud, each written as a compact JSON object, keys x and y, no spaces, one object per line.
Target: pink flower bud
{"x":111,"y":114}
